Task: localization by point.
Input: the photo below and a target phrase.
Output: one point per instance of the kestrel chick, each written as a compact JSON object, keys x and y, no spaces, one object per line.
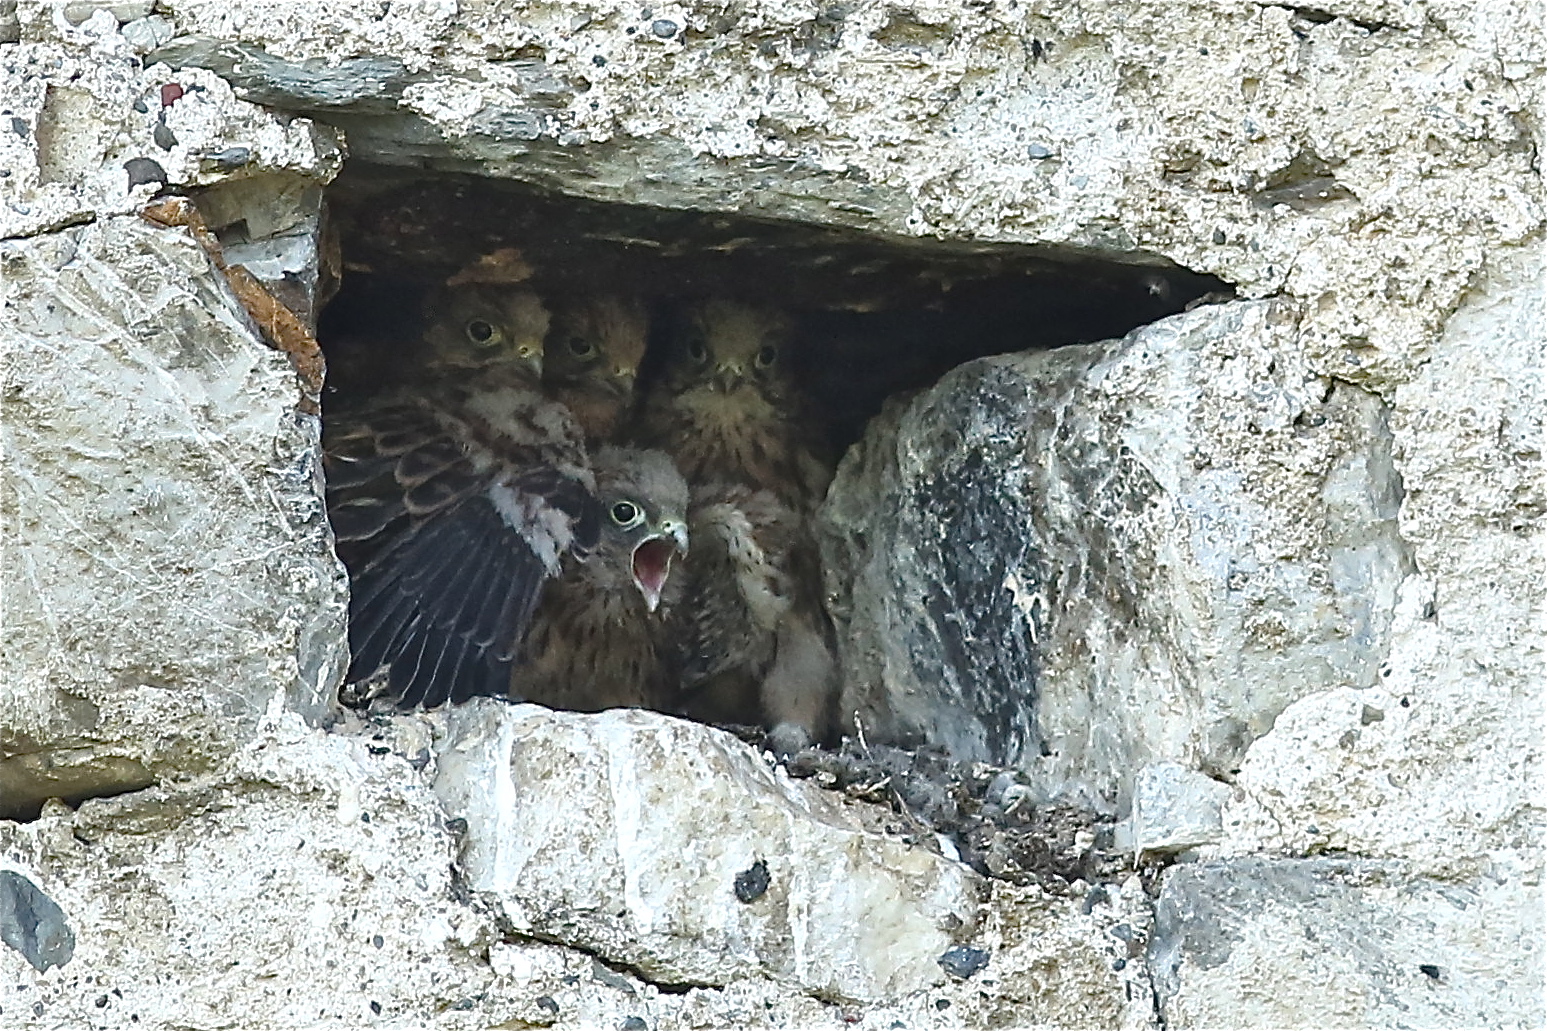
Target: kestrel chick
{"x":597,"y":638}
{"x":751,"y":631}
{"x":455,"y":500}
{"x":755,"y":643}
{"x":727,"y":409}
{"x":593,"y":355}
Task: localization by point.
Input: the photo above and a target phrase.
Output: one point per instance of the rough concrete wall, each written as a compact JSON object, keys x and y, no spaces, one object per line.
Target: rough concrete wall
{"x":1371,"y":167}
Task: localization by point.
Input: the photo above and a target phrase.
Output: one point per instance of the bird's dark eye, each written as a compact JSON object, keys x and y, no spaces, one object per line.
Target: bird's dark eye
{"x":697,"y":351}
{"x":580,"y":347}
{"x":765,"y":356}
{"x":625,"y":513}
{"x":479,"y":331}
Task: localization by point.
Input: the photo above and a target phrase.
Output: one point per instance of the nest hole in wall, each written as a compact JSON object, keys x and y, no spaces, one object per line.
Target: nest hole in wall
{"x":874,"y":316}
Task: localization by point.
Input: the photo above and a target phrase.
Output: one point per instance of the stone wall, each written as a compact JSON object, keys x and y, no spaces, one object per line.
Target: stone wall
{"x":1262,"y":580}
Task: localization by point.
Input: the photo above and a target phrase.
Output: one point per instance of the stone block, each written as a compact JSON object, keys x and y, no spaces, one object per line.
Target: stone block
{"x":1087,"y":559}
{"x":170,"y":567}
{"x":635,"y":836}
{"x":1318,"y":943}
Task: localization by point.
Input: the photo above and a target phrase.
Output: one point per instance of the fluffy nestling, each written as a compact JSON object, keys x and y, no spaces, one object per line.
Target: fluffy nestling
{"x":593,"y":353}
{"x":728,"y":410}
{"x":454,"y":501}
{"x":755,"y":643}
{"x":597,"y":638}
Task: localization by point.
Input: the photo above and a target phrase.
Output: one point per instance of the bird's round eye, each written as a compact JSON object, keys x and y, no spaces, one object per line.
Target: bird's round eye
{"x":697,"y":351}
{"x":625,"y":513}
{"x":580,"y":347}
{"x":479,"y":331}
{"x":765,"y":356}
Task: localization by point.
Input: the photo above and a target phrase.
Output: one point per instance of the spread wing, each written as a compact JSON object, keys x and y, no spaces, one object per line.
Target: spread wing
{"x":448,"y":539}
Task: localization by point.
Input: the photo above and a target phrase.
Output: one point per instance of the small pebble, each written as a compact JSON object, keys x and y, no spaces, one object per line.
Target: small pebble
{"x":170,"y":94}
{"x":231,"y":158}
{"x":545,"y":1002}
{"x":146,"y":34}
{"x":165,"y":138}
{"x":665,"y":28}
{"x":635,"y":1024}
{"x":144,"y":170}
{"x":962,"y":961}
{"x":751,"y":883}
{"x":1037,"y":151}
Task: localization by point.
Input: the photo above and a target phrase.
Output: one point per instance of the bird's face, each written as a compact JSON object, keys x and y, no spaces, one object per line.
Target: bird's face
{"x":479,"y":327}
{"x":597,"y":344}
{"x":644,"y":517}
{"x":732,"y":350}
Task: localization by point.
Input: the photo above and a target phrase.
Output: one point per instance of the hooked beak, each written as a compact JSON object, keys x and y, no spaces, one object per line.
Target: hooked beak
{"x":653,"y":558}
{"x":531,"y":356}
{"x":728,"y":377}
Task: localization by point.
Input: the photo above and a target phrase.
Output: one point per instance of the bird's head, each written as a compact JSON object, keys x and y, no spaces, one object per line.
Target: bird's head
{"x":597,"y":342}
{"x":730,"y":348}
{"x":644,"y":517}
{"x":478,"y":326}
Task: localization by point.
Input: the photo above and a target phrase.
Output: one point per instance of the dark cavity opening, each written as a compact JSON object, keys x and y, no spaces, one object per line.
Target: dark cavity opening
{"x":876,"y":315}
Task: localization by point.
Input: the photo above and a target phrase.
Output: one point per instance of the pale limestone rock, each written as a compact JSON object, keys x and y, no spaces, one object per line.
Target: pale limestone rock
{"x":77,"y":119}
{"x":308,"y":881}
{"x":1324,"y":943}
{"x":1375,"y":173}
{"x":1237,"y":142}
{"x":623,"y":833}
{"x":1174,"y":809}
{"x":171,"y":577}
{"x":1440,"y":764}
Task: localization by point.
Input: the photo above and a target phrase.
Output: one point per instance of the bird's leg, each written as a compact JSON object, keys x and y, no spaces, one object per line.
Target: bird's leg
{"x":797,"y":691}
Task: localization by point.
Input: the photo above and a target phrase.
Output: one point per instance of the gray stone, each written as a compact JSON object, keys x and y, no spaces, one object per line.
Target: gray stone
{"x":962,"y":961}
{"x":629,"y":834}
{"x":1169,"y":538}
{"x":1344,"y":943}
{"x":1174,"y":809}
{"x":360,"y":83}
{"x":1371,"y":165}
{"x":146,"y":34}
{"x":33,"y":924}
{"x":272,"y":226}
{"x":78,"y":11}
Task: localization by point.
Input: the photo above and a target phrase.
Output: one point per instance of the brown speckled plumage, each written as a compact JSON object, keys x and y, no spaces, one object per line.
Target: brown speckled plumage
{"x":594,"y":349}
{"x":595,"y":642}
{"x":755,"y":643}
{"x":453,"y":501}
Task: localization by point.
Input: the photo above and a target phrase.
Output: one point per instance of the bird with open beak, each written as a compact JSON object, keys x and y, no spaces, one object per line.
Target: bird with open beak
{"x":598,"y":638}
